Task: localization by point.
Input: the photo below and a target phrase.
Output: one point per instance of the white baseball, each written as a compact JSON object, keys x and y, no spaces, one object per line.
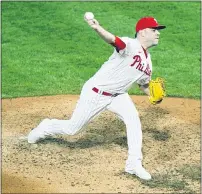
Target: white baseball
{"x":89,"y":15}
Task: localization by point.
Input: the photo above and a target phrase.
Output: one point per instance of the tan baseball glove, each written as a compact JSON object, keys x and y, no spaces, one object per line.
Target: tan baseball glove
{"x":157,"y":90}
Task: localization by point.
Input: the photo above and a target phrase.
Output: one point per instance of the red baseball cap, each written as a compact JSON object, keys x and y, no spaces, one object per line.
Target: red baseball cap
{"x":148,"y":22}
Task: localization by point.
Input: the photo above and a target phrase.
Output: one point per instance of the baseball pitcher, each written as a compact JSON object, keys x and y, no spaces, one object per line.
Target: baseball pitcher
{"x":129,"y":63}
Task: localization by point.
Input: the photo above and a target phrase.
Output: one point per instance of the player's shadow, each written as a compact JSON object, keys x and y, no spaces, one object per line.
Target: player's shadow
{"x":104,"y":134}
{"x":80,"y":143}
{"x":113,"y":131}
{"x":150,"y":123}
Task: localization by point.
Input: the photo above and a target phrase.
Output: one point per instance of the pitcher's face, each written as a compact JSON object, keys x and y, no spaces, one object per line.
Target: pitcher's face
{"x":151,"y":36}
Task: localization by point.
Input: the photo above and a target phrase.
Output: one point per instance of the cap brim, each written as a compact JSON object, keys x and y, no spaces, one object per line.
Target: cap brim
{"x":159,"y":27}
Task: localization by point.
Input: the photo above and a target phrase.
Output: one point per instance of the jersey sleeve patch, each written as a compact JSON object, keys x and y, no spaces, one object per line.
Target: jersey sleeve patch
{"x":119,"y":44}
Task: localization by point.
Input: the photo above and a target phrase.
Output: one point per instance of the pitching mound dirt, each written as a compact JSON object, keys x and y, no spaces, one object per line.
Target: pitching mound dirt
{"x":93,"y":161}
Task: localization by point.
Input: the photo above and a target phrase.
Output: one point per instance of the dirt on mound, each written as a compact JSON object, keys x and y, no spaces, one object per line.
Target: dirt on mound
{"x":93,"y":161}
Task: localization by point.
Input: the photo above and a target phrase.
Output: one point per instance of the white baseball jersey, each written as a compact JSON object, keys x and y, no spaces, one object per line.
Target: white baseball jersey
{"x":130,"y":65}
{"x":127,"y":65}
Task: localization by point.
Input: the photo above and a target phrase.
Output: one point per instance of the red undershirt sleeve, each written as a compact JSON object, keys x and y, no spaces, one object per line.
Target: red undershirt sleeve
{"x":119,"y":44}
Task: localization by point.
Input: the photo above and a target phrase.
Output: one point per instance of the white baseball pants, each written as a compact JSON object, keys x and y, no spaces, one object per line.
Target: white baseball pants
{"x":90,"y":105}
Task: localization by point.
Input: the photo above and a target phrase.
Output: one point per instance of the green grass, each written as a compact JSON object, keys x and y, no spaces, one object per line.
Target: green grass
{"x":176,"y":182}
{"x":169,"y":181}
{"x":48,"y":49}
{"x":159,"y":135}
{"x":192,"y":172}
{"x":165,"y":181}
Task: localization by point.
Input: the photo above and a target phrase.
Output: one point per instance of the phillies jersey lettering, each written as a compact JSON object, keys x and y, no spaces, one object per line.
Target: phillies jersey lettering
{"x":147,"y":71}
{"x":139,"y":65}
{"x":137,"y":59}
{"x":127,"y":65}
